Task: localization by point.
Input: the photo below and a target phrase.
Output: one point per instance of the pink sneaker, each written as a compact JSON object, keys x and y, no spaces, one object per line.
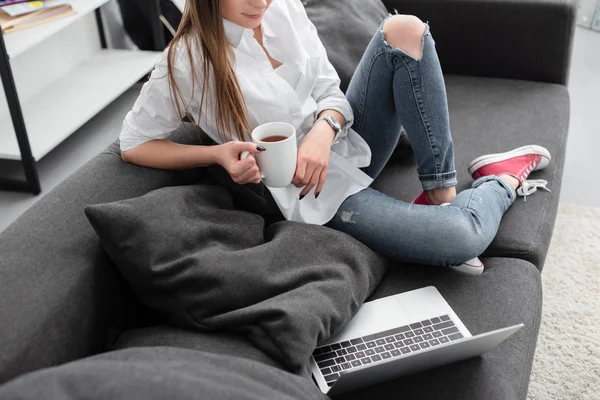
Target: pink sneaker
{"x":518,"y":163}
{"x":422,"y":199}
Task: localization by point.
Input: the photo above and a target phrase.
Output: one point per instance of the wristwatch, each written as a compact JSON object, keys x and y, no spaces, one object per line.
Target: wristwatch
{"x":334,"y":123}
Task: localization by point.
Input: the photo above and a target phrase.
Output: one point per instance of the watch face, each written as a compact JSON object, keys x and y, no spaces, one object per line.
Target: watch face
{"x":334,"y":122}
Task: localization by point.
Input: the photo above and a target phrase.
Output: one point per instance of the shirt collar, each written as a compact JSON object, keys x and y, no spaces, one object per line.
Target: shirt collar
{"x":234,"y":32}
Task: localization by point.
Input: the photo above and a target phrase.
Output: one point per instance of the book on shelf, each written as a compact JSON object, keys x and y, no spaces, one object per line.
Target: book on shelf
{"x":10,"y":24}
{"x":15,"y":10}
{"x":7,"y":2}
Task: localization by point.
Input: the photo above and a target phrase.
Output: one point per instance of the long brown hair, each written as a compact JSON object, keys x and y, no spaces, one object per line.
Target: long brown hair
{"x":202,"y":28}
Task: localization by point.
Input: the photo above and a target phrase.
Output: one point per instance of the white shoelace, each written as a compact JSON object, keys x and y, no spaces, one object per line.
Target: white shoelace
{"x":531,"y":186}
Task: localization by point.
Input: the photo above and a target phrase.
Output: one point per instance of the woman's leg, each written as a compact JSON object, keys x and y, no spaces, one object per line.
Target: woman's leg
{"x":391,"y":89}
{"x":444,"y":235}
{"x":424,"y":234}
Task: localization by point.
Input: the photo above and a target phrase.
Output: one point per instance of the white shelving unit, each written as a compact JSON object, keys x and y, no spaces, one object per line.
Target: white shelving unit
{"x":60,"y":109}
{"x":54,"y":110}
{"x":20,"y":41}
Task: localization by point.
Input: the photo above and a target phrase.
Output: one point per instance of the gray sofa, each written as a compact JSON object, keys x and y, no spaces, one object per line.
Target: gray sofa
{"x":506,"y":65}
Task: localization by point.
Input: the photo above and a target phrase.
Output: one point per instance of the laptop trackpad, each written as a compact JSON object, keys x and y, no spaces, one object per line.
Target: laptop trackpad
{"x":374,"y":316}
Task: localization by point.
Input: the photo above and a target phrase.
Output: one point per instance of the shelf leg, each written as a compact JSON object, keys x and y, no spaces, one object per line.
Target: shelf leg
{"x":101,"y":32}
{"x":12,"y":98}
{"x":158,"y":34}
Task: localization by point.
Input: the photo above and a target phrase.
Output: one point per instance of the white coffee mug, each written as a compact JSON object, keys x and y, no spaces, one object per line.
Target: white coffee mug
{"x":277,"y":163}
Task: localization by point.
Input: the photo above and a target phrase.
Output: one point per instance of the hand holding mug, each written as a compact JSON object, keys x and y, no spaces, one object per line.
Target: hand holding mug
{"x":244,"y":170}
{"x":278,"y":163}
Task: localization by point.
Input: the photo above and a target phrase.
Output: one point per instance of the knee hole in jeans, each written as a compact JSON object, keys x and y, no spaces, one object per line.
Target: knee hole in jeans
{"x":405,"y":32}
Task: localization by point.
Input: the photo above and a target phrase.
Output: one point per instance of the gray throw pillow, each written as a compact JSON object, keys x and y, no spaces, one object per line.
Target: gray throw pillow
{"x":189,"y":254}
{"x":345,"y":28}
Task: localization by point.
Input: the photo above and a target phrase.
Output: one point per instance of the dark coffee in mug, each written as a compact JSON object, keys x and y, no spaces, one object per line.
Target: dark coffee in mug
{"x":274,"y":138}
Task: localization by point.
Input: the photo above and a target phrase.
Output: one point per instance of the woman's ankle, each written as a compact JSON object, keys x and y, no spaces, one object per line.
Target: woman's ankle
{"x":511,"y":180}
{"x":441,"y":195}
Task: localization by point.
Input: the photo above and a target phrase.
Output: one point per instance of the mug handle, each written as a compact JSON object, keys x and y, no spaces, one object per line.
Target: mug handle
{"x":244,"y":155}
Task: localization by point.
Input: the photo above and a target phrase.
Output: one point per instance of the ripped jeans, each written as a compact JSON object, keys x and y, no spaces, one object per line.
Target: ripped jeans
{"x":390,"y":90}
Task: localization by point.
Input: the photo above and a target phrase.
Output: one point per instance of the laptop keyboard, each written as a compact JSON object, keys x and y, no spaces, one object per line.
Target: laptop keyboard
{"x":337,"y":358}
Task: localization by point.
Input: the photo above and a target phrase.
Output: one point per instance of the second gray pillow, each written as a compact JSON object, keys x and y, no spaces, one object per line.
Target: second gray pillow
{"x":345,"y":28}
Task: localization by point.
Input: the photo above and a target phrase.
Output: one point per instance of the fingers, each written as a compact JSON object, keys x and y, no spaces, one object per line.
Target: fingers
{"x":307,"y":178}
{"x":250,"y":176}
{"x":246,"y":163}
{"x":312,"y":181}
{"x":246,"y":171}
{"x":308,"y":175}
{"x":321,"y":182}
{"x":247,"y":175}
{"x":298,"y":180}
{"x":243,"y":147}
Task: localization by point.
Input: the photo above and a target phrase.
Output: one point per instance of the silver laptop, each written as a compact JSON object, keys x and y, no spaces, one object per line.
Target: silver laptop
{"x":395,"y":336}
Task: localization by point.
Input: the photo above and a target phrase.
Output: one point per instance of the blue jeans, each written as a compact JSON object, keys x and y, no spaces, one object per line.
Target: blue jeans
{"x":390,"y":90}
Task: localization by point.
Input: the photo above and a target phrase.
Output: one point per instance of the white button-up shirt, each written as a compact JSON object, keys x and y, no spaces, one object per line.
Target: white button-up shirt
{"x":304,"y":85}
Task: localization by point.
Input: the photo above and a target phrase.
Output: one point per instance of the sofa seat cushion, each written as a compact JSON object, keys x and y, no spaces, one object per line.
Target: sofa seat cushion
{"x":508,"y":292}
{"x":489,"y":115}
{"x":219,"y":342}
{"x":158,"y":373}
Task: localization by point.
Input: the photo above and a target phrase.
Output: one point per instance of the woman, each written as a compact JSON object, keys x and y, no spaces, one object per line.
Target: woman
{"x":236,"y":64}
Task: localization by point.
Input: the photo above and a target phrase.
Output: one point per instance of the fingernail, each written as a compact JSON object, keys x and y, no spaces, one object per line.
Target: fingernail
{"x":302,"y":196}
{"x":317,"y":195}
{"x":260,"y":148}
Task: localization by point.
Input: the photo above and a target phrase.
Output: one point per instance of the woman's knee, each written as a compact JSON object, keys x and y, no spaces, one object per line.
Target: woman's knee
{"x":461,"y":238}
{"x":405,"y":32}
{"x":468,"y":243}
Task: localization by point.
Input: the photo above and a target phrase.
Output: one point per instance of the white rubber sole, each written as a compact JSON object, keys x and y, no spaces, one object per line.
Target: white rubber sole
{"x":472,"y":267}
{"x":521,"y":151}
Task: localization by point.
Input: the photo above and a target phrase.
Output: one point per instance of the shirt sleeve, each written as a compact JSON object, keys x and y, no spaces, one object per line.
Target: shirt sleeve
{"x":153,"y":115}
{"x":327,"y":92}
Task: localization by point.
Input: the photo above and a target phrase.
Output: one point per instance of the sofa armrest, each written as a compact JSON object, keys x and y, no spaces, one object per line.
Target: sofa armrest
{"x":59,"y":292}
{"x":528,"y":39}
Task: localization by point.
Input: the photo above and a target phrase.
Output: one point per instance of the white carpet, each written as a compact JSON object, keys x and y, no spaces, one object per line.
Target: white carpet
{"x":567,"y":360}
